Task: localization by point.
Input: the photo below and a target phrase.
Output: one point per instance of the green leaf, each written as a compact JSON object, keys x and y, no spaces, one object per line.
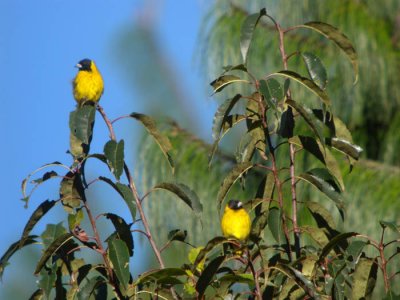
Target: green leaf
{"x":223,"y":81}
{"x":217,"y":241}
{"x":391,"y":225}
{"x":115,"y":155}
{"x":37,"y":182}
{"x":184,"y":193}
{"x":315,"y":69}
{"x":87,"y":291}
{"x":221,"y":115}
{"x":351,"y":150}
{"x":75,"y":219}
{"x":162,"y":141}
{"x":47,"y":281}
{"x":339,"y":39}
{"x":247,"y":30}
{"x":126,"y":194}
{"x":230,"y":179}
{"x":336,"y":241}
{"x":323,"y":181}
{"x":307,"y":116}
{"x":39,"y":212}
{"x":14,"y":247}
{"x":246,"y":148}
{"x":177,"y":235}
{"x":37,"y":295}
{"x":322,"y":216}
{"x":71,"y":191}
{"x":52,"y":249}
{"x":238,"y":278}
{"x":119,"y":257}
{"x":208,"y":275}
{"x":123,"y":231}
{"x":272,"y":91}
{"x":317,"y":234}
{"x":240,"y":67}
{"x":51,"y":233}
{"x":157,"y":275}
{"x":364,"y":278}
{"x":81,"y":123}
{"x":275,"y":224}
{"x":309,"y":84}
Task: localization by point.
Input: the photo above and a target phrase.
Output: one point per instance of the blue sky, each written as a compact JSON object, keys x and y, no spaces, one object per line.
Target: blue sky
{"x":40,"y":42}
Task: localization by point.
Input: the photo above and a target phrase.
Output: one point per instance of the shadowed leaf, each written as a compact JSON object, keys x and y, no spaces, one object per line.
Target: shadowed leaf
{"x":208,"y":275}
{"x":335,"y":242}
{"x":81,"y":123}
{"x":123,"y":231}
{"x":162,"y":140}
{"x":184,"y":193}
{"x":156,"y":275}
{"x":275,"y":224}
{"x":272,"y":91}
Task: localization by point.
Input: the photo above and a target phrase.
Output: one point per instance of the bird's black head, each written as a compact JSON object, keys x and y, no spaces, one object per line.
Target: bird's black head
{"x":84,"y":65}
{"x":235,"y":204}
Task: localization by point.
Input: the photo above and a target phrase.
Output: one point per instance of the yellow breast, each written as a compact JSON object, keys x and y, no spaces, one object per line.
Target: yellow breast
{"x":236,"y":224}
{"x":88,"y":86}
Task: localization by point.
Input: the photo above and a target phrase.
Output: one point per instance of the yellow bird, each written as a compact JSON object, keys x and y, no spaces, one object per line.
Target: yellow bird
{"x":235,"y":222}
{"x":88,"y":84}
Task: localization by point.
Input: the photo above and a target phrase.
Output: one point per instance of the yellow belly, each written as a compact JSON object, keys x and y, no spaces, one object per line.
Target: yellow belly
{"x":88,"y":86}
{"x":236,"y":224}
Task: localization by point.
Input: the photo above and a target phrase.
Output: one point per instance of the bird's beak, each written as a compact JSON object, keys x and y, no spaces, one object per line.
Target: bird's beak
{"x":78,"y":66}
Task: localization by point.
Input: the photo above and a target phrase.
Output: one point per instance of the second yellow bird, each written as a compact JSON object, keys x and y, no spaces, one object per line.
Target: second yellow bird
{"x":235,"y":221}
{"x":88,"y":84}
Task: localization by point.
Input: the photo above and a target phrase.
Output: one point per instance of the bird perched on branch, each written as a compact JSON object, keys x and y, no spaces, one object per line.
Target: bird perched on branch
{"x":235,"y":222}
{"x":88,"y":84}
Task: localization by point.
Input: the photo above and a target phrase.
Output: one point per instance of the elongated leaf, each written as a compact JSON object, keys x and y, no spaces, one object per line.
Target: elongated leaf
{"x":123,"y":231}
{"x":52,"y":249}
{"x":39,"y":212}
{"x":325,"y":183}
{"x":81,"y":123}
{"x":286,"y":125}
{"x":184,"y":193}
{"x":272,"y":91}
{"x":345,"y":147}
{"x":212,"y":244}
{"x":37,"y":295}
{"x":246,"y":149}
{"x":14,"y":248}
{"x":364,"y":278}
{"x":336,"y":241}
{"x":339,"y":39}
{"x":47,"y":281}
{"x":240,"y":67}
{"x":115,"y":155}
{"x":223,"y":81}
{"x":317,"y":234}
{"x":247,"y":30}
{"x":88,"y":290}
{"x":162,"y":140}
{"x":230,"y":179}
{"x":308,"y":117}
{"x":315,"y":69}
{"x":208,"y":275}
{"x":125,"y":193}
{"x":37,"y":182}
{"x":322,"y":216}
{"x":305,"y":283}
{"x":157,"y":275}
{"x":71,"y":191}
{"x":275,"y":224}
{"x":309,"y":84}
{"x":222,"y":113}
{"x":52,"y":232}
{"x":119,"y":257}
{"x":238,"y":278}
{"x":177,"y":235}
{"x":391,"y":225}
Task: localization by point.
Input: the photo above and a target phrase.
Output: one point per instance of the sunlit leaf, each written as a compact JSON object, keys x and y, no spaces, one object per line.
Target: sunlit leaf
{"x":162,"y":140}
{"x":71,"y":191}
{"x":123,"y":231}
{"x":75,"y":219}
{"x":119,"y":256}
{"x":339,"y":39}
{"x":115,"y":155}
{"x":247,"y":30}
{"x":184,"y":193}
{"x":39,"y":212}
{"x":309,"y":84}
{"x":223,"y":81}
{"x":315,"y":69}
{"x":230,"y":179}
{"x":157,"y":275}
{"x":238,"y":278}
{"x":52,"y":249}
{"x":364,"y":278}
{"x":212,"y":244}
{"x":208,"y":275}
